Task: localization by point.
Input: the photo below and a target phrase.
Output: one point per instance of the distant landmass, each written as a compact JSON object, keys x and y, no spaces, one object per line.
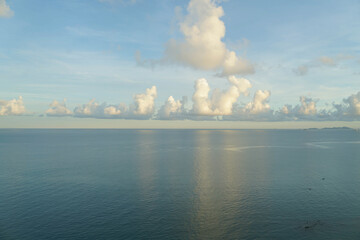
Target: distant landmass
{"x":333,"y":128}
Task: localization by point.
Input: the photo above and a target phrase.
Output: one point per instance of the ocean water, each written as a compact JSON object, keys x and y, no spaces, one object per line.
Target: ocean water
{"x":179,"y":184}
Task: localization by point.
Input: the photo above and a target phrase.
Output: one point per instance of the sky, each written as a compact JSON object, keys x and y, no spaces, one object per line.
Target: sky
{"x":179,"y":63}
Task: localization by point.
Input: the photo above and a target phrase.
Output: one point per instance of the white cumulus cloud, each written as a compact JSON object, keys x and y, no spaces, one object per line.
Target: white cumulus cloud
{"x":97,"y":110}
{"x":114,"y":110}
{"x":143,"y":107}
{"x":220,"y":102}
{"x":12,"y":107}
{"x":202,"y":46}
{"x":173,"y":109}
{"x":353,"y":104}
{"x":90,"y":109}
{"x":259,"y":103}
{"x":58,"y":109}
{"x":308,"y":106}
{"x":256,"y":110}
{"x":234,"y":64}
{"x":144,"y":104}
{"x":350,"y":108}
{"x":306,"y":110}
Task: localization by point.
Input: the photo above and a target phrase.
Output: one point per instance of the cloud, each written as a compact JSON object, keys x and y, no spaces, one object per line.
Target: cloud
{"x":220,"y":102}
{"x":306,"y":110}
{"x":207,"y":104}
{"x":308,"y":106}
{"x":327,"y":61}
{"x":58,"y":109}
{"x":301,"y":70}
{"x":12,"y":107}
{"x":115,"y":110}
{"x":256,"y":110}
{"x":320,"y":62}
{"x":144,"y":104}
{"x":350,"y":108}
{"x":236,"y":65}
{"x":353,"y":104}
{"x":96,"y":110}
{"x":143,"y":107}
{"x":5,"y":10}
{"x":202,"y":46}
{"x":203,"y":31}
{"x":259,"y":103}
{"x":90,"y":109}
{"x":333,"y":61}
{"x":173,"y":109}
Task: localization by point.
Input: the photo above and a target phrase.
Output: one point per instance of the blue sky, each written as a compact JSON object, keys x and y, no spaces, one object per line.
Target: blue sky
{"x":86,"y":49}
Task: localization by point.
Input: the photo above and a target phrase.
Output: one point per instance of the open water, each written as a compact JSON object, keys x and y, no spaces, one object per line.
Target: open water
{"x":179,"y":184}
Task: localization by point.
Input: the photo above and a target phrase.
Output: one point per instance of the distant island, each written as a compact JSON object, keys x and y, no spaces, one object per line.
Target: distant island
{"x":333,"y":128}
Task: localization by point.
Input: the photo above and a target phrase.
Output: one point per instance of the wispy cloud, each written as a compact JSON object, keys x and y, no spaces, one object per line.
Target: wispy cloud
{"x":301,"y":70}
{"x":322,"y":61}
{"x":5,"y":10}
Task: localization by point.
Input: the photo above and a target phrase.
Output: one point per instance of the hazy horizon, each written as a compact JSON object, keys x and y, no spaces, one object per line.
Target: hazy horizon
{"x":11,"y":122}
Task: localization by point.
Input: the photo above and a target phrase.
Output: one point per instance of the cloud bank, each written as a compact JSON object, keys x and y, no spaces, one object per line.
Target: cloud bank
{"x":207,"y":104}
{"x":143,"y":107}
{"x":216,"y":104}
{"x":306,"y":110}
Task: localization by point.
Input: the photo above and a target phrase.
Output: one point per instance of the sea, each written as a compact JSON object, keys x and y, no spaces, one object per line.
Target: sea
{"x":179,"y":184}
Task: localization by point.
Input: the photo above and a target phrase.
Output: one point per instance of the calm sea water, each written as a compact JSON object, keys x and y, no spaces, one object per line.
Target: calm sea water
{"x":179,"y":184}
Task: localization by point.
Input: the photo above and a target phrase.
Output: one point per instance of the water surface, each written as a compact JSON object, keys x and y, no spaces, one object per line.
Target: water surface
{"x":179,"y":184}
